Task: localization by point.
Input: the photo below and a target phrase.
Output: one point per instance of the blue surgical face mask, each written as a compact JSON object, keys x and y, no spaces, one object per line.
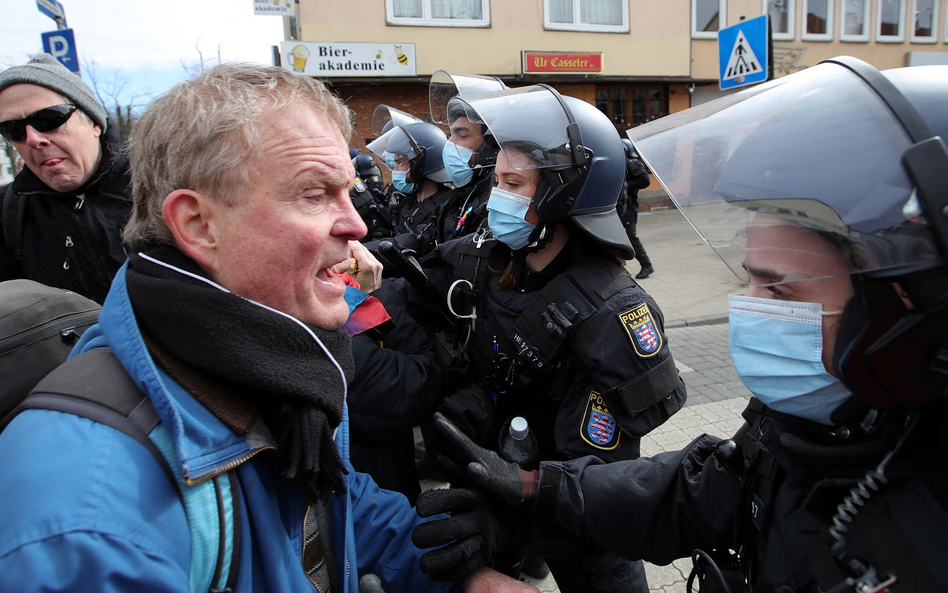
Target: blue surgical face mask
{"x":389,"y":159}
{"x":401,"y":183}
{"x":506,"y":217}
{"x":456,"y":159}
{"x":777,"y":350}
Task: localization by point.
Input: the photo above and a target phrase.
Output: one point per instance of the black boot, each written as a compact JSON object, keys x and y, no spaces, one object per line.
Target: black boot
{"x":646,"y":271}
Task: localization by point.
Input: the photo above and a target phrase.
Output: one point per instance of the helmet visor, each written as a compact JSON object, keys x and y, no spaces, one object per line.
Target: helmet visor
{"x":385,"y":114}
{"x":529,"y":120}
{"x":446,"y":85}
{"x":394,"y":147}
{"x":818,"y":151}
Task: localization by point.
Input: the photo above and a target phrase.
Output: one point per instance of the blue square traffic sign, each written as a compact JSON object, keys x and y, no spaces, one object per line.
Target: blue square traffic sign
{"x":743,"y":53}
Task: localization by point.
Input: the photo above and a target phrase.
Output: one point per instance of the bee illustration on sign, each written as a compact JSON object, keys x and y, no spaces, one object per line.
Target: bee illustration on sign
{"x":400,"y":56}
{"x":378,"y":55}
{"x":297,"y":57}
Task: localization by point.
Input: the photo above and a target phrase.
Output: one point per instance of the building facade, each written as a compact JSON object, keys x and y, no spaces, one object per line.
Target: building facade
{"x":636,"y":60}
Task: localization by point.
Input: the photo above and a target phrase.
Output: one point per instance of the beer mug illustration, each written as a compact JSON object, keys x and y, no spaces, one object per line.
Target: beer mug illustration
{"x":297,"y":57}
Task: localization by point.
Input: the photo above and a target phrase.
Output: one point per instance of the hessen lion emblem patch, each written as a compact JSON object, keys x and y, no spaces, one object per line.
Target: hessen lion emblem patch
{"x":359,"y":185}
{"x":642,"y":331}
{"x":599,"y":425}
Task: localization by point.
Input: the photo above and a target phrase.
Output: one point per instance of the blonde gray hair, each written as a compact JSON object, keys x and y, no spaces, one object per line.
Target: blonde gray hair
{"x":201,"y":135}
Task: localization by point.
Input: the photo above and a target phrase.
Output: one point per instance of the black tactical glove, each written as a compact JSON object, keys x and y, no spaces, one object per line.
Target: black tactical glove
{"x":473,"y":412}
{"x":487,"y":469}
{"x":470,"y":536}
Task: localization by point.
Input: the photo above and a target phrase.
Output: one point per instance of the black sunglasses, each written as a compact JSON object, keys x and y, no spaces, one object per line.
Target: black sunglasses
{"x":44,"y":120}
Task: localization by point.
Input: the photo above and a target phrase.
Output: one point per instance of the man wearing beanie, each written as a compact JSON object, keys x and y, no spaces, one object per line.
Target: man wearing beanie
{"x":62,"y":217}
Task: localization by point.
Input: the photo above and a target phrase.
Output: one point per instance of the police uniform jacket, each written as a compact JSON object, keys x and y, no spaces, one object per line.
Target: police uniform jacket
{"x":466,"y":209}
{"x":589,"y":386}
{"x":73,"y":240}
{"x":773,"y":499}
{"x":372,"y":211}
{"x":397,"y":384}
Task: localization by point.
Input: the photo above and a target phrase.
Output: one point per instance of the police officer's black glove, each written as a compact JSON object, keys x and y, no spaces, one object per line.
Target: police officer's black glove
{"x":471,"y":535}
{"x":473,"y":412}
{"x":487,"y":469}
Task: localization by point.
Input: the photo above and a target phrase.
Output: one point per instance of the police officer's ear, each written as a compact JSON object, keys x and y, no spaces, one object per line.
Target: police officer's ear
{"x":193,"y":219}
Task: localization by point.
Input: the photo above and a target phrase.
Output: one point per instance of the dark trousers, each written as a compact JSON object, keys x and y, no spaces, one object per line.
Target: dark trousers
{"x":629,"y":219}
{"x":581,"y":567}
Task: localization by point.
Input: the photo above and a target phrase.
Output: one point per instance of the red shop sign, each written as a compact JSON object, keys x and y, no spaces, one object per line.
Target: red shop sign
{"x":545,"y":61}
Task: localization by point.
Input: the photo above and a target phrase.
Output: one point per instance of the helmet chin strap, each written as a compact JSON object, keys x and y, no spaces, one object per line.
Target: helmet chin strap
{"x":539,"y":238}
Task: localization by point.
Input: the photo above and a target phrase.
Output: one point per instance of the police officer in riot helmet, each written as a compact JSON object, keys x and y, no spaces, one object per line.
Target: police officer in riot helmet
{"x":368,"y":171}
{"x":550,"y":327}
{"x":468,"y":156}
{"x":376,"y":203}
{"x":826,"y":192}
{"x":413,"y":153}
{"x":368,"y":197}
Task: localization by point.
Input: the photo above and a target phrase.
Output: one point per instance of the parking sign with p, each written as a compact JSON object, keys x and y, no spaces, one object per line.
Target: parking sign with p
{"x":62,"y":46}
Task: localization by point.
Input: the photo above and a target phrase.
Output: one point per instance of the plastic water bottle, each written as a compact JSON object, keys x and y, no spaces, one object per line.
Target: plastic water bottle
{"x":518,"y":444}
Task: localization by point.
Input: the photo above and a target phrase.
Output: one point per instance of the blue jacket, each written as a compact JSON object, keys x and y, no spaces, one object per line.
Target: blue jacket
{"x":85,"y":508}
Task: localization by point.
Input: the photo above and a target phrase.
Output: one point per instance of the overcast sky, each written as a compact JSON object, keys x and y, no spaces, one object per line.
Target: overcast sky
{"x":144,"y":41}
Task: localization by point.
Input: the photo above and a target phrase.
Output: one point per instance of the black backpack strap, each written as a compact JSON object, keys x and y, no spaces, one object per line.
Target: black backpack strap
{"x":14,"y":218}
{"x":94,"y":385}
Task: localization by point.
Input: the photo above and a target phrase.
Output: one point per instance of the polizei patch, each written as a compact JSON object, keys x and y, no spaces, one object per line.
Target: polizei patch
{"x":599,"y":425}
{"x":642,"y":330}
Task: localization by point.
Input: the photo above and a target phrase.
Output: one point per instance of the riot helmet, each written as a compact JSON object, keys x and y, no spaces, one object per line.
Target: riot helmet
{"x":857,"y":159}
{"x":444,"y":86}
{"x":384,"y":118}
{"x":576,"y":150}
{"x":466,"y":149}
{"x":368,"y":171}
{"x":418,"y":144}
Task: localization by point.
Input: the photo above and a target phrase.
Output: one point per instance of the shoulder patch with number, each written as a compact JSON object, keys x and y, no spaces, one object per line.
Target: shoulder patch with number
{"x":359,"y":185}
{"x":643,"y":332}
{"x":599,"y":427}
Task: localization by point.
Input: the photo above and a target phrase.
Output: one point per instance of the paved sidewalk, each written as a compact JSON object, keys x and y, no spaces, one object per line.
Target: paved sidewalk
{"x":691,"y":285}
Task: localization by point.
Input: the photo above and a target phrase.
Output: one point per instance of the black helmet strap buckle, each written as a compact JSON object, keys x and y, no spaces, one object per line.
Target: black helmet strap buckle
{"x":576,"y":146}
{"x":556,"y":181}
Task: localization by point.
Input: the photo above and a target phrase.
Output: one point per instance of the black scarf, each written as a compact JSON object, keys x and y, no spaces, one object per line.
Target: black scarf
{"x":256,"y":355}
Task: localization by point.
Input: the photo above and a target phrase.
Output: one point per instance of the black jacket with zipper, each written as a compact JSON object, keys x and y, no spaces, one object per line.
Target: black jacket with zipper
{"x":72,"y":240}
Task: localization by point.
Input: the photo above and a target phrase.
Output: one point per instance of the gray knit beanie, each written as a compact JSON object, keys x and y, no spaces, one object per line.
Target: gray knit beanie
{"x":45,"y":70}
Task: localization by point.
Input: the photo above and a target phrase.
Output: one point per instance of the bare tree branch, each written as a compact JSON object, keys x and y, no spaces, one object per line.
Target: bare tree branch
{"x":112,"y":93}
{"x":194,"y":68}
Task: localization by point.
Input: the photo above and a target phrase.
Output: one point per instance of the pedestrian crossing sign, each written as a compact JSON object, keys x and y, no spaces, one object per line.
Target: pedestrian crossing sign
{"x":743,"y":51}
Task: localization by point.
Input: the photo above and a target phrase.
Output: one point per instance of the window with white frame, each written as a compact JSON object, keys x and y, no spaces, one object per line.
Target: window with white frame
{"x":603,"y":16}
{"x":854,"y":21}
{"x":891,"y":21}
{"x":438,"y":13}
{"x":924,"y":21}
{"x":818,"y":20}
{"x":707,"y":18}
{"x":782,"y":15}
